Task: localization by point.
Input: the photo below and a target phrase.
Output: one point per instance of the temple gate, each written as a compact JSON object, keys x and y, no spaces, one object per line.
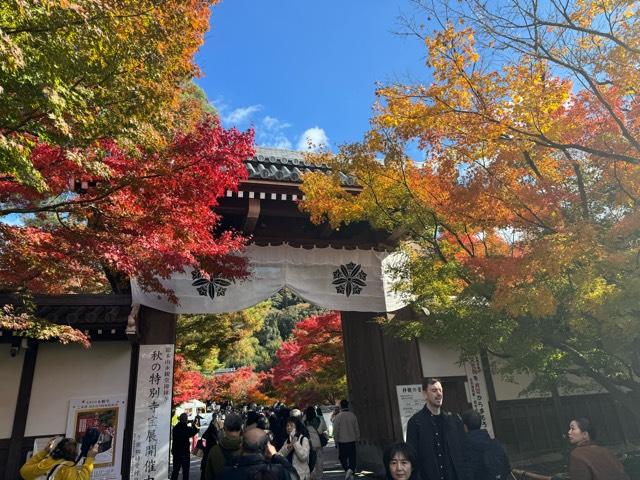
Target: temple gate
{"x":337,"y":269}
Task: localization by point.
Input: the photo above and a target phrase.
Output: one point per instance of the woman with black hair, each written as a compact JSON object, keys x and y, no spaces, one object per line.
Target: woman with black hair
{"x":59,"y":459}
{"x":297,"y":447}
{"x":207,"y":442}
{"x":589,"y":461}
{"x":400,"y":462}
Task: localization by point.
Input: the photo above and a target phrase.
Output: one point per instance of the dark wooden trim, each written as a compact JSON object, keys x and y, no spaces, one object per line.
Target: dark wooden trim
{"x":557,"y":408}
{"x":390,"y":386}
{"x":127,"y":438}
{"x":530,"y":425}
{"x":253,"y":213}
{"x":74,"y":299}
{"x":14,"y":455}
{"x":156,"y":327}
{"x":416,"y":345}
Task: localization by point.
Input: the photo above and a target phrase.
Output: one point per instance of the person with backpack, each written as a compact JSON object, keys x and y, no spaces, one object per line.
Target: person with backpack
{"x":58,"y":461}
{"x":314,"y":426}
{"x":227,"y":450}
{"x":297,"y":448}
{"x":484,"y":457}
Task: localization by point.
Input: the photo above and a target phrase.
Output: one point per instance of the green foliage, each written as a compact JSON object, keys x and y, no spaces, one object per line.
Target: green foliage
{"x":248,"y":338}
{"x":208,"y":342}
{"x":288,"y":314}
{"x":269,"y":340}
{"x":73,"y":72}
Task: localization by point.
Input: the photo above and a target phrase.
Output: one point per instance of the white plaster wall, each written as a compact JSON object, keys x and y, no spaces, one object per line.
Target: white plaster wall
{"x":69,"y":371}
{"x":439,"y":361}
{"x":584,"y":386}
{"x":510,"y":390}
{"x":10,"y":373}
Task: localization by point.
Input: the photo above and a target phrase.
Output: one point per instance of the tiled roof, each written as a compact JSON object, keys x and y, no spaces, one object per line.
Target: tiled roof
{"x":285,"y":166}
{"x":81,"y":311}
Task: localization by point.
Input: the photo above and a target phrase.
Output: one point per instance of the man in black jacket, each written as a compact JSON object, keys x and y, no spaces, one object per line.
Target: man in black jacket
{"x":181,"y":447}
{"x":259,"y":457}
{"x":437,"y":437}
{"x":484,"y":457}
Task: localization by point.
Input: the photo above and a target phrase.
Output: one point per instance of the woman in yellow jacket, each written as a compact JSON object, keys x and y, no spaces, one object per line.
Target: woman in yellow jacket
{"x":62,"y":458}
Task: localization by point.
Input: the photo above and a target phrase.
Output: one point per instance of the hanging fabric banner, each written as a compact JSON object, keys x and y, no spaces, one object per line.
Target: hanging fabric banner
{"x":346,"y":280}
{"x":151,"y":424}
{"x":478,"y":391}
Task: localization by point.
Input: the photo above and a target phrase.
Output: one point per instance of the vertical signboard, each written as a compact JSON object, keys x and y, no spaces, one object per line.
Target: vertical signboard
{"x":478,"y":391}
{"x":106,"y":415}
{"x":152,"y":418}
{"x":410,"y":401}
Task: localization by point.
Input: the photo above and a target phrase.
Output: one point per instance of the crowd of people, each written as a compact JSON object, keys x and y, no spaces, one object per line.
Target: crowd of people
{"x":443,"y":446}
{"x":439,"y":446}
{"x":279,"y":443}
{"x":243,"y":443}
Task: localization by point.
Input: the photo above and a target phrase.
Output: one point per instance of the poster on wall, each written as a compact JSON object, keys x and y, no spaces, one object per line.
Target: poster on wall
{"x":107,"y":415}
{"x":152,"y":414}
{"x":410,"y":401}
{"x":478,"y":391}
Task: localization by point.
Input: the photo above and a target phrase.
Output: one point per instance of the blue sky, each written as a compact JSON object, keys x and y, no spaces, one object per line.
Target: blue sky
{"x":288,"y":67}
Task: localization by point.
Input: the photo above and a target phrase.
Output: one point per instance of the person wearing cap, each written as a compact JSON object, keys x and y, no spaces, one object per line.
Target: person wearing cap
{"x":227,"y":451}
{"x":58,"y":459}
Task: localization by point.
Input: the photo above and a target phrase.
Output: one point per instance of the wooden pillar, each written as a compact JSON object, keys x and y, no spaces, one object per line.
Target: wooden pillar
{"x":153,"y":327}
{"x":14,"y":455}
{"x":376,"y":363}
{"x":491,"y":391}
{"x":127,"y":437}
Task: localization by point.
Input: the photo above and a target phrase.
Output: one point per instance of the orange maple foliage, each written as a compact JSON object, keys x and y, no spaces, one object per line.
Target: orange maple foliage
{"x":521,"y":220}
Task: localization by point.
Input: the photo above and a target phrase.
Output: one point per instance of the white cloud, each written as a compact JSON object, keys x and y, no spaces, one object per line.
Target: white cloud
{"x":242,"y":114}
{"x":279,"y":141}
{"x":270,"y":133}
{"x":273,"y":124}
{"x":313,"y":139}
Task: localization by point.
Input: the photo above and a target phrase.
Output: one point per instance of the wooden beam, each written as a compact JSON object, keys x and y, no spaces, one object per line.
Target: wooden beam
{"x":326,"y":230}
{"x":14,"y":455}
{"x":253,"y":213}
{"x":394,"y":237}
{"x":127,"y":437}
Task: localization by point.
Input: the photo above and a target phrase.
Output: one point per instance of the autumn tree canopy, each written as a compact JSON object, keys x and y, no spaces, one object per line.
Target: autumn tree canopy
{"x":522,"y":220}
{"x":311,"y":366}
{"x":187,"y":384}
{"x":110,"y":158}
{"x":209,"y":342}
{"x":243,"y":385}
{"x":76,"y":72}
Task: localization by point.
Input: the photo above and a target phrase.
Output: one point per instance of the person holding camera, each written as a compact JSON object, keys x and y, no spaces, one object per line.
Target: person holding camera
{"x":58,"y":460}
{"x":181,"y":447}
